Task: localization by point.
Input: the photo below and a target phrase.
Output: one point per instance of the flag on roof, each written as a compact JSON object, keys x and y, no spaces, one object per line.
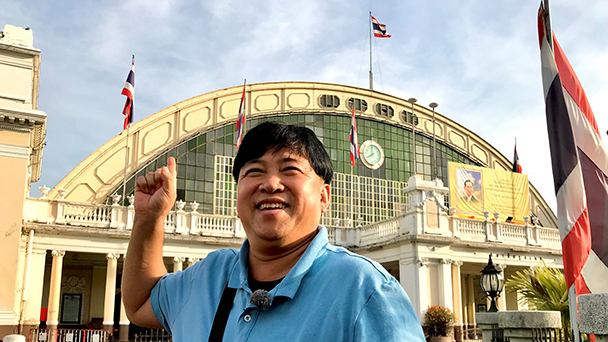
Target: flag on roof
{"x":516,"y":166}
{"x":379,"y":29}
{"x":354,"y":140}
{"x":240,"y":121}
{"x":580,"y":166}
{"x":129,"y":92}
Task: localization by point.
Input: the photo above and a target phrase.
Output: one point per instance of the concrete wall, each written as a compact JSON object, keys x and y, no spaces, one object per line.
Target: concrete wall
{"x":14,"y":161}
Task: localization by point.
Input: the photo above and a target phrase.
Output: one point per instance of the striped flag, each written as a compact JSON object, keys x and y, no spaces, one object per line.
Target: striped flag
{"x":580,"y":166}
{"x":354,"y":140}
{"x":516,"y":166}
{"x":129,"y":92}
{"x":379,"y":29}
{"x":240,"y":121}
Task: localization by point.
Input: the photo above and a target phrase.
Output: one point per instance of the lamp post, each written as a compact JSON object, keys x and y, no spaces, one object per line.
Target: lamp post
{"x":412,"y":101}
{"x":492,"y":283}
{"x":434,"y":105}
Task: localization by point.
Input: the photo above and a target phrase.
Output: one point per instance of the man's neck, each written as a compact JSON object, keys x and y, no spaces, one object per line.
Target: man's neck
{"x":274,"y":263}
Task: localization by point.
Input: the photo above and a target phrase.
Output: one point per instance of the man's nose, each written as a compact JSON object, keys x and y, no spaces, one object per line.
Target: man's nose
{"x":272,"y":183}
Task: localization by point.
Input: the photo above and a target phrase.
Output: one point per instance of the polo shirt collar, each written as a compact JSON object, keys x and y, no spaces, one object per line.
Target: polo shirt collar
{"x":290,"y":284}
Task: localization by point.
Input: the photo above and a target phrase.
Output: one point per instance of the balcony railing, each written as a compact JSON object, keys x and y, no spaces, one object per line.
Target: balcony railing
{"x":464,"y":229}
{"x":117,"y":217}
{"x":180,"y":221}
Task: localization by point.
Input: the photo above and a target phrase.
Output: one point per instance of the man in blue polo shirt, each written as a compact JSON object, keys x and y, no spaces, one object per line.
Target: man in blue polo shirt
{"x":287,"y":283}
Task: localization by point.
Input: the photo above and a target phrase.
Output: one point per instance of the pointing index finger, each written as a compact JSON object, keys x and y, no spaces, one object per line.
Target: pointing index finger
{"x":172,"y":166}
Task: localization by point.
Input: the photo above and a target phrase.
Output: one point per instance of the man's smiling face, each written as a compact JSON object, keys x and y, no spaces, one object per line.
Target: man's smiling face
{"x":280,"y":198}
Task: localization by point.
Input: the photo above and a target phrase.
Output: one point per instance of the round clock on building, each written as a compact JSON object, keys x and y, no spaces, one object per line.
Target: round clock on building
{"x":372,"y":154}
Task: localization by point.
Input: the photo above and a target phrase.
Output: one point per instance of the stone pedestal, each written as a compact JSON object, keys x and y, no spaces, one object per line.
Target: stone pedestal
{"x":593,"y":315}
{"x":486,"y":321}
{"x":517,"y":326}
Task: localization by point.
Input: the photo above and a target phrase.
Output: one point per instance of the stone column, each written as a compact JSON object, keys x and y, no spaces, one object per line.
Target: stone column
{"x":123,"y":331}
{"x":108,"y":303}
{"x":55,"y":289}
{"x":31,"y":308}
{"x":457,"y":299}
{"x":501,"y":302}
{"x":178,"y":264}
{"x":593,"y":315}
{"x":191,"y":261}
{"x":445,"y":284}
{"x":471,"y":303}
{"x":413,"y":276}
{"x":487,"y":322}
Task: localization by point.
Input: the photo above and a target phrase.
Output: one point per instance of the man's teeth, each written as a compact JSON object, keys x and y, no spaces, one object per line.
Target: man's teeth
{"x":272,"y":206}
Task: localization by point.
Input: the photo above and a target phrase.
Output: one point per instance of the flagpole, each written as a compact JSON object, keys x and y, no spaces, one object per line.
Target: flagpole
{"x":124,"y":177}
{"x":434,"y":105}
{"x":412,"y":101}
{"x":371,"y":74}
{"x":572,"y":300}
{"x":352,"y":193}
{"x":549,"y":32}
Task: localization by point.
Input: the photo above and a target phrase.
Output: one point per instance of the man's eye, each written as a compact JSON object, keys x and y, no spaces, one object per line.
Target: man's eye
{"x":253,"y":171}
{"x":291,"y":169}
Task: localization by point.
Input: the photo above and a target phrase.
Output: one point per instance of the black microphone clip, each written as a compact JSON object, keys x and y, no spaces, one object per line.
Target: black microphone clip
{"x":261,"y":299}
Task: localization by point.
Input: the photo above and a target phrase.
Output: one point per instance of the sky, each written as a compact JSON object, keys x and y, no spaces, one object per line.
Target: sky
{"x":479,"y":60}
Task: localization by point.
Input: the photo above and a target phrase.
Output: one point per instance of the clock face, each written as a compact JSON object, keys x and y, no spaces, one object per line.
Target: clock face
{"x":372,"y":153}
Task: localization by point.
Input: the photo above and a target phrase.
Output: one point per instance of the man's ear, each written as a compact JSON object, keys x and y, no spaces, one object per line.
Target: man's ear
{"x":325,"y":196}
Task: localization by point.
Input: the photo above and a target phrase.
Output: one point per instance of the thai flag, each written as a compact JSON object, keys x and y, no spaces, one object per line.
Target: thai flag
{"x":240,"y":121}
{"x":379,"y":29}
{"x":516,"y":166}
{"x":129,"y":92}
{"x":580,"y":166}
{"x":354,"y":140}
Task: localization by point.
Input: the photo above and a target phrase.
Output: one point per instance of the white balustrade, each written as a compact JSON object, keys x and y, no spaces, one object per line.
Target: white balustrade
{"x":90,"y":215}
{"x":61,"y":212}
{"x":170,"y":223}
{"x":548,"y":237}
{"x":470,"y":229}
{"x":331,"y":234}
{"x":513,"y":233}
{"x":379,"y":231}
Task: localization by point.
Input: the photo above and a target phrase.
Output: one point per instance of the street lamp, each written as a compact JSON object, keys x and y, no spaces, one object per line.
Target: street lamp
{"x":492,"y":283}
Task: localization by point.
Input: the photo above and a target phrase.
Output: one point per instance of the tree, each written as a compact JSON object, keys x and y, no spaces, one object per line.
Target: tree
{"x":543,"y":288}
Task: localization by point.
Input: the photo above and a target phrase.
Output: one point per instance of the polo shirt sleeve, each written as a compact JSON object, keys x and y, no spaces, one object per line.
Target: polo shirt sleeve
{"x":388,"y":315}
{"x":205,"y":281}
{"x":169,"y":296}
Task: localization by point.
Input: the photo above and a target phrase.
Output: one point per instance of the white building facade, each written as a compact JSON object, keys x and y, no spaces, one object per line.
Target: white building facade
{"x":393,"y":209}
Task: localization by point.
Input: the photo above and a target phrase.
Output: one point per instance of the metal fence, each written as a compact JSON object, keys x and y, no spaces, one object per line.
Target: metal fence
{"x":154,"y":335}
{"x":473,"y":333}
{"x":68,"y":335}
{"x":498,"y":334}
{"x":555,"y":335}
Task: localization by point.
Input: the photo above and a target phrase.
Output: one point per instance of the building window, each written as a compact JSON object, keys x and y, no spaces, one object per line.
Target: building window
{"x":409,"y":118}
{"x":360,"y":104}
{"x":329,"y":101}
{"x":384,"y":110}
{"x":205,"y":164}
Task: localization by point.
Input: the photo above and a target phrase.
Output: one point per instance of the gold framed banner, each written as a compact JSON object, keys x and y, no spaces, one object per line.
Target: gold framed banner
{"x":475,"y":189}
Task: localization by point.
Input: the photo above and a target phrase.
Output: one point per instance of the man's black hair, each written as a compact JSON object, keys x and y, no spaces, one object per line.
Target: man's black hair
{"x":275,"y":136}
{"x":468,"y":180}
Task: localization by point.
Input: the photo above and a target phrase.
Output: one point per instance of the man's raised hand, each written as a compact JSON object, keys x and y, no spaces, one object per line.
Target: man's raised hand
{"x":155,"y":192}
